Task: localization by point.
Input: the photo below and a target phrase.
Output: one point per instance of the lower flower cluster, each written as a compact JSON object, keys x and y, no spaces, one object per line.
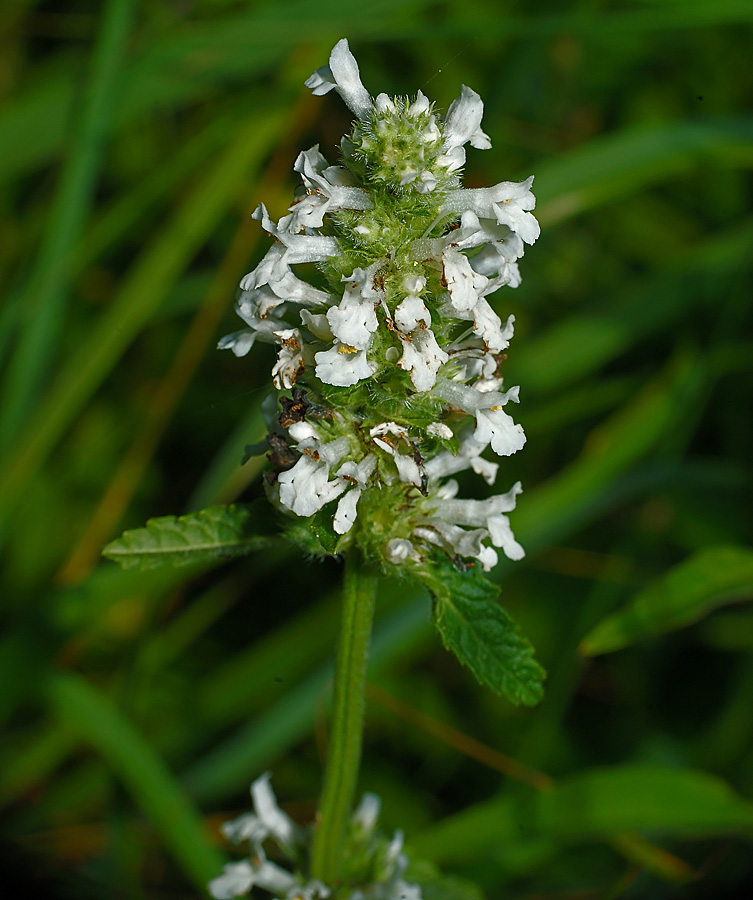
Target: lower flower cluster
{"x":375,"y":868}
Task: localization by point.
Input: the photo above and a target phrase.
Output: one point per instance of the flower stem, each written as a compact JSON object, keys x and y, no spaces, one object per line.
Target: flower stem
{"x":346,"y":732}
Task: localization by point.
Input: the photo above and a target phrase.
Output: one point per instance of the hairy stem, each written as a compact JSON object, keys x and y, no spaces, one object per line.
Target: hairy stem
{"x":346,"y":732}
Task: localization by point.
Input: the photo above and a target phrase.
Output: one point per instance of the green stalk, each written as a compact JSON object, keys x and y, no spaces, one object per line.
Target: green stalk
{"x":346,"y":732}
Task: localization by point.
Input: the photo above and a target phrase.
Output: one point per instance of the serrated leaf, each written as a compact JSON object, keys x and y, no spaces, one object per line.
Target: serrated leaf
{"x":711,"y":578}
{"x":216,"y":533}
{"x":481,"y":634}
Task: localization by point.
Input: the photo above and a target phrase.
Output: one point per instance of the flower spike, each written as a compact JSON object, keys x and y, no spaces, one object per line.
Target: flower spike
{"x":396,"y":345}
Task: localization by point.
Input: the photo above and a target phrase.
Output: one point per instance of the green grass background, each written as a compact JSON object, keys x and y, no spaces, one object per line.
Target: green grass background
{"x":135,"y":139}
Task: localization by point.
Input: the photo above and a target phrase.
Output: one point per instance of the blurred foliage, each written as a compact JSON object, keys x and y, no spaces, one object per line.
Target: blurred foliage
{"x":137,"y":707}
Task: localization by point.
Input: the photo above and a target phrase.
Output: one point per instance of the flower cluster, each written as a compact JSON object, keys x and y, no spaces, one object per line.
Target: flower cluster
{"x":390,"y":368}
{"x":376,"y":865}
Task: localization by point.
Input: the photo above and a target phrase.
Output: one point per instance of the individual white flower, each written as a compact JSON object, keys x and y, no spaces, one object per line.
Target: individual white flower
{"x":354,"y":321}
{"x":367,"y":812}
{"x":343,"y":76}
{"x":358,"y":476}
{"x":328,"y":188}
{"x":306,"y":488}
{"x":236,"y":880}
{"x":240,"y":342}
{"x":455,"y":541}
{"x":409,"y":470}
{"x":467,"y":457}
{"x":267,"y":820}
{"x":299,"y":248}
{"x":465,"y":285}
{"x":443,"y":527}
{"x":343,"y":365}
{"x":275,"y":273}
{"x":489,"y":514}
{"x":493,"y":425}
{"x":278,"y":823}
{"x":463,"y":125}
{"x":507,"y":203}
{"x":422,"y":357}
{"x":411,"y":312}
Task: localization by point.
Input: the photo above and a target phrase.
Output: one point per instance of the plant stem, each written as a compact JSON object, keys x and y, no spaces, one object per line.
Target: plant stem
{"x":346,"y":732}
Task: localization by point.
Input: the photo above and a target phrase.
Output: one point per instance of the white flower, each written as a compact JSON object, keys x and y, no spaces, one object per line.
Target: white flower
{"x":493,"y":425}
{"x":466,"y":287}
{"x":411,"y":312}
{"x":236,"y":880}
{"x":422,"y":357}
{"x":507,"y":203}
{"x":358,"y":476}
{"x":354,"y":321}
{"x":328,"y":188}
{"x":463,"y":124}
{"x":479,"y":512}
{"x":367,"y":812}
{"x":299,"y":248}
{"x":409,"y":470}
{"x":278,"y":823}
{"x":343,"y":76}
{"x":343,"y":365}
{"x":467,"y":457}
{"x":273,"y":271}
{"x":267,"y":820}
{"x":306,"y":488}
{"x":397,"y":550}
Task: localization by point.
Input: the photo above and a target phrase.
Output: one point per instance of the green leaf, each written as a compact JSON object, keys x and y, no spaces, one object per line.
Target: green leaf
{"x":321,"y":525}
{"x":481,"y":634}
{"x":216,"y":533}
{"x":711,"y":578}
{"x":594,"y":805}
{"x":435,"y":886}
{"x":90,"y":714}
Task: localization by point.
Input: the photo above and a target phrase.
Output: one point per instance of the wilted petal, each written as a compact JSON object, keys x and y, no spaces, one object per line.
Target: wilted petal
{"x":289,"y":363}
